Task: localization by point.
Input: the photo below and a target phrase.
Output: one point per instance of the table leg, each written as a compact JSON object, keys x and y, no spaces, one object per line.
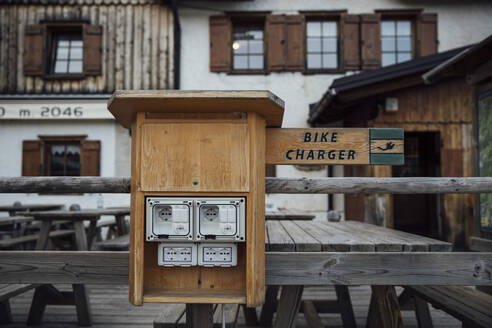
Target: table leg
{"x":384,"y":310}
{"x":81,"y":298}
{"x":345,"y":303}
{"x":91,"y":233}
{"x":422,"y":313}
{"x":121,"y":225}
{"x":44,"y":235}
{"x":199,"y":315}
{"x":288,"y":306}
{"x":268,"y":309}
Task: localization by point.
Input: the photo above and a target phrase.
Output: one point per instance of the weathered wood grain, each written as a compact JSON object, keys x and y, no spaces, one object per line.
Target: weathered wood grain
{"x":279,"y":239}
{"x":285,"y":268}
{"x":480,"y":244}
{"x":273,"y":185}
{"x":304,"y":242}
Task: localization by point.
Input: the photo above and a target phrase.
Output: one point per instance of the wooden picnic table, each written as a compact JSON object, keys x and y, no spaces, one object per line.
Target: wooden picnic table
{"x":344,"y":236}
{"x":14,"y":209}
{"x":79,"y":296}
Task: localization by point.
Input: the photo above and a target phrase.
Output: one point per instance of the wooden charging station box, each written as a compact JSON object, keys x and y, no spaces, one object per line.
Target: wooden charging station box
{"x":189,"y":144}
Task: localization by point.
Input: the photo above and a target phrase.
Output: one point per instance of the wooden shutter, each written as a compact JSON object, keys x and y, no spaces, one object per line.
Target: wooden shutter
{"x":32,"y":157}
{"x":350,"y":41}
{"x":220,"y":43}
{"x":296,"y":33}
{"x":33,"y":49}
{"x":426,"y":34}
{"x":276,"y":44}
{"x":91,"y":158}
{"x":370,"y":33}
{"x":92,"y":49}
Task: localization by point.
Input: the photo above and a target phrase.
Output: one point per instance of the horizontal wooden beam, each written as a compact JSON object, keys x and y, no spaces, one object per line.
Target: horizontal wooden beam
{"x":306,"y":268}
{"x":273,"y":185}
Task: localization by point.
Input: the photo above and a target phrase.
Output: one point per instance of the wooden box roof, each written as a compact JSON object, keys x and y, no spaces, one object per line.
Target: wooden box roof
{"x":124,"y":104}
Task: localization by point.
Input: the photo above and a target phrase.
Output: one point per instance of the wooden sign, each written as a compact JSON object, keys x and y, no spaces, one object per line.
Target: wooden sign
{"x":334,"y":146}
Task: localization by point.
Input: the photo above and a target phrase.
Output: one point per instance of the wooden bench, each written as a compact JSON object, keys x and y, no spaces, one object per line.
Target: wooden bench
{"x":472,"y":307}
{"x":8,"y":291}
{"x":16,"y":241}
{"x":121,"y":243}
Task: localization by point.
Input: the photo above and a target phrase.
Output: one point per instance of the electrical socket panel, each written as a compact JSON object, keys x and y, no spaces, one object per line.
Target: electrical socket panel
{"x":169,"y":219}
{"x":214,"y":254}
{"x":220,"y":219}
{"x":182,"y":255}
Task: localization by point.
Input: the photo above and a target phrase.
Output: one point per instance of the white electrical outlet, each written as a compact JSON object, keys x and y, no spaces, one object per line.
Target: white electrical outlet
{"x":220,"y":219}
{"x":169,"y":219}
{"x":170,"y":255}
{"x":223,"y":255}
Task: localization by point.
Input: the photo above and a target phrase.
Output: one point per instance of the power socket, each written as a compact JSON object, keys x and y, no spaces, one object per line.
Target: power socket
{"x":183,"y":255}
{"x":222,"y":255}
{"x":221,"y":219}
{"x":169,"y":219}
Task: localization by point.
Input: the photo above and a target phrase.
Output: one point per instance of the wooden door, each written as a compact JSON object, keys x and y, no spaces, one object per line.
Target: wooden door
{"x":418,"y":213}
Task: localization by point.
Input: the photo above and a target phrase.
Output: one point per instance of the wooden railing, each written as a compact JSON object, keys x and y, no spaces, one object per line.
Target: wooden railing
{"x":273,"y":185}
{"x":321,"y":268}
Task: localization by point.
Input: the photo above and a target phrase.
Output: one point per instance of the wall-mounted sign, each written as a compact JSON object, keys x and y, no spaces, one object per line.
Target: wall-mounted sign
{"x":54,"y":109}
{"x":334,"y":146}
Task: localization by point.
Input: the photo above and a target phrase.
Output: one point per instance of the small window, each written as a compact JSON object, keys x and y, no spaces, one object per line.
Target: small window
{"x":396,"y":41}
{"x":247,"y":46}
{"x":62,"y":159}
{"x":67,"y":53}
{"x":322,"y":45}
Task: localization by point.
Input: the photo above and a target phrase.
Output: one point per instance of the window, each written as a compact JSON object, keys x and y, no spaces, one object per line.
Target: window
{"x":396,"y":41}
{"x":62,"y":50}
{"x":322,"y":45}
{"x":66,"y":53}
{"x":61,"y":156}
{"x":247,"y":47}
{"x":62,"y":159}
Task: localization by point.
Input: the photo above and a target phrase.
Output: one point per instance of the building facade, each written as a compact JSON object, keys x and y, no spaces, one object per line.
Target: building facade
{"x":59,"y":64}
{"x":297,"y":48}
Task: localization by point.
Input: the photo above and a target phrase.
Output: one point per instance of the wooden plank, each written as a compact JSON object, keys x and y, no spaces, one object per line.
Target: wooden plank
{"x":357,"y":185}
{"x":279,"y":240}
{"x":124,"y":104}
{"x":465,"y":303}
{"x":385,"y":235}
{"x":288,"y":306}
{"x":422,"y":313}
{"x":282,"y":268}
{"x":381,"y":241}
{"x":10,"y":290}
{"x":304,"y":242}
{"x":330,"y":240}
{"x":410,"y":242}
{"x":480,"y":244}
{"x":356,"y":242}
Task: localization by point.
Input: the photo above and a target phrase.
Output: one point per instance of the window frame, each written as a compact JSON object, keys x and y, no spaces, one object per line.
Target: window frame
{"x":252,"y":19}
{"x":400,"y":15}
{"x":324,"y":16}
{"x":48,"y":141}
{"x":52,"y":29}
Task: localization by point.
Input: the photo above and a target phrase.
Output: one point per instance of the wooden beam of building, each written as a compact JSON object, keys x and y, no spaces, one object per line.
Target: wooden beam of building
{"x":286,"y":268}
{"x":417,"y":185}
{"x":335,"y":146}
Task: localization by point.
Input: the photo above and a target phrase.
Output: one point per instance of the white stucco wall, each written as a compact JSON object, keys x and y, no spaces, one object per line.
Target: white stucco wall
{"x":115,"y":155}
{"x":459,"y":23}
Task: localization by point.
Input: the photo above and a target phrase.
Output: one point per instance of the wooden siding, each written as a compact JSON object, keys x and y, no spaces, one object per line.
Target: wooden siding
{"x":446,"y":108}
{"x":137,"y":46}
